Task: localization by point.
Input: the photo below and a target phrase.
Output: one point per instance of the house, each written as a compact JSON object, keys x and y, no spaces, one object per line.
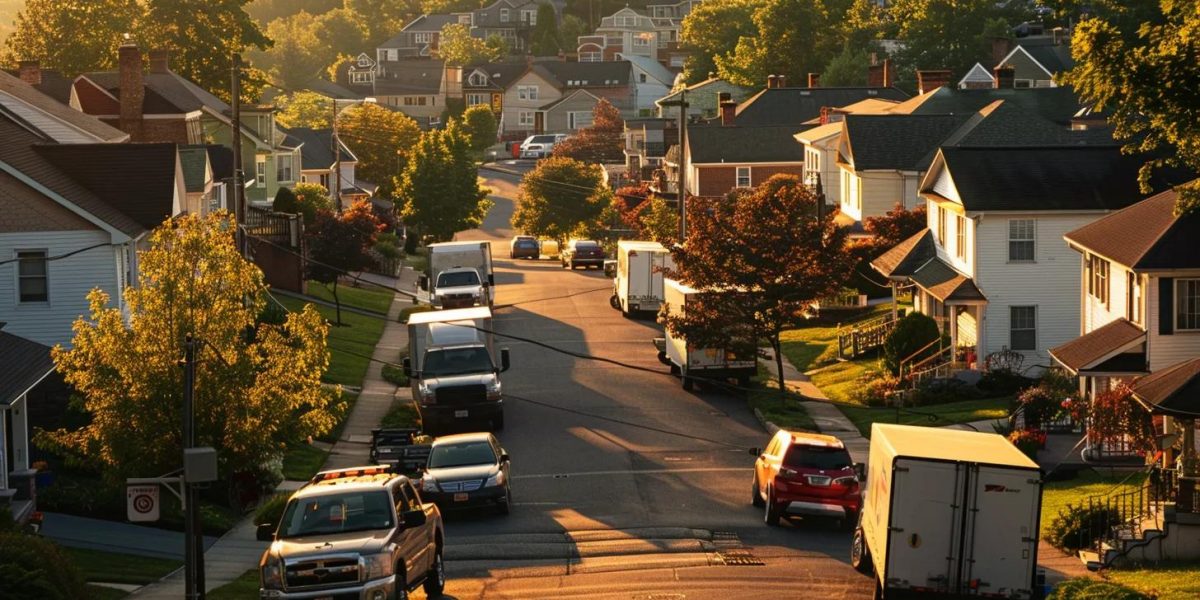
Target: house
{"x":417,"y":88}
{"x":702,"y":99}
{"x":721,"y":158}
{"x":646,"y":143}
{"x":536,"y":92}
{"x":989,"y":268}
{"x":511,"y":20}
{"x":50,"y":118}
{"x":23,"y":365}
{"x":321,"y":167}
{"x":487,"y":83}
{"x":668,"y":19}
{"x":207,"y":175}
{"x":419,"y":38}
{"x":1036,"y":60}
{"x":778,"y":104}
{"x":161,"y":106}
{"x":651,"y":81}
{"x":627,"y":32}
{"x":572,"y":112}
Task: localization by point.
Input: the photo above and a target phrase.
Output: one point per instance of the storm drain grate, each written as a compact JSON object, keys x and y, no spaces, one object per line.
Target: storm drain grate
{"x":739,"y":558}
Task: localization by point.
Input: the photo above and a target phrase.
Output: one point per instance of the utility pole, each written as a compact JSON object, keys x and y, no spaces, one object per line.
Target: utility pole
{"x":337,"y":157}
{"x":191,"y":577}
{"x":239,"y":189}
{"x":683,"y":105}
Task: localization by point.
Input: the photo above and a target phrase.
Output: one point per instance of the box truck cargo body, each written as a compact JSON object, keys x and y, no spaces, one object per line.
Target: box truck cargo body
{"x":454,"y":368}
{"x":638,"y":282}
{"x":949,"y":513}
{"x":460,"y":274}
{"x":692,"y":363}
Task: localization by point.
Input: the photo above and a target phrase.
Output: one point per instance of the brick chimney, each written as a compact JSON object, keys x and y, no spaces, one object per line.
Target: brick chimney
{"x":875,"y":76}
{"x":723,"y":97}
{"x":772,"y":82}
{"x":881,"y":75}
{"x":780,"y":81}
{"x":1000,"y":49}
{"x":814,"y":80}
{"x":133,"y":89}
{"x":160,"y":60}
{"x":728,"y":109}
{"x":931,"y":80}
{"x":889,"y":73}
{"x":30,"y":72}
{"x":1004,"y":77}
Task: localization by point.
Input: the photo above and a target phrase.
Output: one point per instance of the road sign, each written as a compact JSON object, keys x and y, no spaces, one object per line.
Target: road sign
{"x":141,"y":502}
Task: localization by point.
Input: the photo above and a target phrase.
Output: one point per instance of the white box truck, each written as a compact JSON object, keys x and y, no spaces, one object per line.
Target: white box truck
{"x":459,"y":275}
{"x":948,"y":513}
{"x":693,"y":364}
{"x":638,"y":276}
{"x":454,"y":368}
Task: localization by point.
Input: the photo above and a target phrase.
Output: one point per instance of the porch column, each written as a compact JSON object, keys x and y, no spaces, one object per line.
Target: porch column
{"x":3,"y":452}
{"x":953,"y":317}
{"x":980,"y":337}
{"x":20,"y":435}
{"x":1189,"y":447}
{"x":1168,"y":455}
{"x":895,"y":300}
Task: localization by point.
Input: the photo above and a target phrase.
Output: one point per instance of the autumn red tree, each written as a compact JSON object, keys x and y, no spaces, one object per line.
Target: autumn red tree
{"x":887,"y":230}
{"x":339,"y":244}
{"x":601,"y":142}
{"x":770,"y":253}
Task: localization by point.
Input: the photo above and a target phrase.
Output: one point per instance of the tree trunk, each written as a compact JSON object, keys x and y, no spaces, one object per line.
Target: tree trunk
{"x":336,"y":302}
{"x":775,"y":347}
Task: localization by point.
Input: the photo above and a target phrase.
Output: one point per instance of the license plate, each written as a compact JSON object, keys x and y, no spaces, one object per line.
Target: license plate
{"x":461,"y":414}
{"x":460,"y":497}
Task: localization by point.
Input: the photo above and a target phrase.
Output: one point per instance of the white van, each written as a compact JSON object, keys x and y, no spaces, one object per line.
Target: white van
{"x":638,"y":278}
{"x":540,"y":146}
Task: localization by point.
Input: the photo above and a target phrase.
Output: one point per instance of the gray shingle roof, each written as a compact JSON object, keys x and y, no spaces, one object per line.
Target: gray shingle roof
{"x":1146,"y":235}
{"x":586,"y":74}
{"x":1057,"y":104}
{"x":167,"y":93}
{"x":896,"y":142}
{"x":193,"y":161}
{"x":1010,"y":124}
{"x":316,"y":151}
{"x":54,"y":84}
{"x":1056,"y":58}
{"x":411,"y":77}
{"x":22,"y":364}
{"x":946,"y":284}
{"x":734,"y":144}
{"x":796,"y":106}
{"x":136,"y":179}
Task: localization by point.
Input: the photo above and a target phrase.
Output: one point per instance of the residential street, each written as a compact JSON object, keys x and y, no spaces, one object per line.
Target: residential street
{"x":608,"y":502}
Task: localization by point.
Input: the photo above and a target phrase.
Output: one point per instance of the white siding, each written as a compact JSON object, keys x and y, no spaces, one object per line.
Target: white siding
{"x":850,"y":194}
{"x":965,"y":264}
{"x":1098,"y":314}
{"x":70,"y":280}
{"x":1167,"y":350}
{"x":880,"y":192}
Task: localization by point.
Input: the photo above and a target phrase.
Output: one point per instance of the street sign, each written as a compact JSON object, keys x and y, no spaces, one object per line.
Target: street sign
{"x":141,"y":502}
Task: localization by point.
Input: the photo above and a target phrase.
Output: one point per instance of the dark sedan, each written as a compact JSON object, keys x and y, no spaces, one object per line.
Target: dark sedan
{"x":584,"y":253}
{"x":467,"y":470}
{"x":524,"y":246}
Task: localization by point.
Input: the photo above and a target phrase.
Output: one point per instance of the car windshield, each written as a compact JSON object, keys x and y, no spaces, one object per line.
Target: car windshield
{"x":456,"y":361}
{"x":336,"y":513}
{"x":542,"y":139}
{"x":445,"y":456}
{"x":816,"y":457}
{"x":586,"y":245}
{"x":457,"y":279}
{"x":527,"y":244}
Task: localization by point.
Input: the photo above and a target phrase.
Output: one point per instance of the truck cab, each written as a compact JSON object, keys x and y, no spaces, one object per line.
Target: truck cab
{"x":459,"y":288}
{"x":459,"y":275}
{"x":362,"y":532}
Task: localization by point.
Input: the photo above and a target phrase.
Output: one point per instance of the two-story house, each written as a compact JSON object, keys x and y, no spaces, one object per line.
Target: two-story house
{"x":418,"y":39}
{"x":646,"y":144}
{"x":320,"y":166}
{"x":651,"y":81}
{"x":533,"y":101}
{"x":989,"y":267}
{"x":721,"y":158}
{"x":512,"y":20}
{"x":703,"y":99}
{"x":668,"y":19}
{"x":627,"y":32}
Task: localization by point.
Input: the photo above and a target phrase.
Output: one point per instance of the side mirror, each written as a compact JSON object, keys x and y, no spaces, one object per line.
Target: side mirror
{"x":412,"y":518}
{"x":407,"y":363}
{"x":504,"y":361}
{"x":610,"y":268}
{"x":264,"y":532}
{"x":756,"y":452}
{"x":860,"y":471}
{"x":491,"y":279}
{"x":504,"y":457}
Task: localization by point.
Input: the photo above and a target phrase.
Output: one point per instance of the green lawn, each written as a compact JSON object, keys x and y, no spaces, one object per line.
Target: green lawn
{"x":1056,"y":495}
{"x":99,"y":592}
{"x":786,"y":413}
{"x":368,"y":297}
{"x":1178,"y":581}
{"x":943,"y":414}
{"x":302,"y":461}
{"x":840,"y":379}
{"x":244,"y":587}
{"x":402,"y":414}
{"x":358,"y":334}
{"x":811,"y":347}
{"x":112,"y":567}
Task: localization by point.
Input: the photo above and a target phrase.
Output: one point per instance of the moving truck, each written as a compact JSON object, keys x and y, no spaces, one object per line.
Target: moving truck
{"x":949,"y":514}
{"x":454,"y":368}
{"x":638,"y":276}
{"x":692,"y":363}
{"x":459,"y":275}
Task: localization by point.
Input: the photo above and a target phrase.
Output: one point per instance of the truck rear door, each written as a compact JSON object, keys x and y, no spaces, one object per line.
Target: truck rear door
{"x":926,"y":518}
{"x":1000,"y":547}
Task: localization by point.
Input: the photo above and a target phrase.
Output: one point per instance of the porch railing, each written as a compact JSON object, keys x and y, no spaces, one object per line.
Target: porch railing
{"x":857,"y":338}
{"x":1111,"y":520}
{"x":280,"y":228}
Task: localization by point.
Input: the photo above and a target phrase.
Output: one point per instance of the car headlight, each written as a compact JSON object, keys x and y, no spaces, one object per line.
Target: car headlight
{"x":495,"y":480}
{"x":272,"y":574}
{"x":493,"y":390}
{"x":429,"y":484}
{"x":378,"y":565}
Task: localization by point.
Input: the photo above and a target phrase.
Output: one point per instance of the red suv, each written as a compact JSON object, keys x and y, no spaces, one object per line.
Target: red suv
{"x":806,"y":474}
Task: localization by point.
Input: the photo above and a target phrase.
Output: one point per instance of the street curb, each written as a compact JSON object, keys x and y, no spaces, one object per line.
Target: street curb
{"x":499,"y":169}
{"x":769,"y":426}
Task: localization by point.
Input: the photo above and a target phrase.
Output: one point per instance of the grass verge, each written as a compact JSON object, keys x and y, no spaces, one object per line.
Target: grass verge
{"x":99,"y":592}
{"x":114,"y":567}
{"x":403,"y":413}
{"x":242,"y":588}
{"x":368,"y":297}
{"x":350,"y":345}
{"x":1170,"y":581}
{"x":949,"y":413}
{"x":1056,"y":495}
{"x":839,"y":380}
{"x":786,"y":413}
{"x":302,"y":461}
{"x":814,"y":346}
{"x":408,"y":310}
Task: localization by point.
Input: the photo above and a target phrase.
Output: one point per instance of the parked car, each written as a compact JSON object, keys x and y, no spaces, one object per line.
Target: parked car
{"x":549,"y":248}
{"x":803,"y":473}
{"x":585,"y":253}
{"x":540,"y":146}
{"x":524,"y":246}
{"x":468,"y":470}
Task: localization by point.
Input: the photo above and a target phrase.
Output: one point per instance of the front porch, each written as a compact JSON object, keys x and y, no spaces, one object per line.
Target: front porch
{"x":23,"y":365}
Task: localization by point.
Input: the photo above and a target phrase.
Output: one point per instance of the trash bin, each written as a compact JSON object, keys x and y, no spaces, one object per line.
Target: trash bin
{"x":516,"y":149}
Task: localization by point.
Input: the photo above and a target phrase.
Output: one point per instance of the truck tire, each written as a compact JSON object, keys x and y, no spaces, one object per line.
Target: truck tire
{"x":860,"y":554}
{"x":615,"y":302}
{"x":756,"y":498}
{"x":401,"y":592}
{"x":770,"y":510}
{"x":435,"y":580}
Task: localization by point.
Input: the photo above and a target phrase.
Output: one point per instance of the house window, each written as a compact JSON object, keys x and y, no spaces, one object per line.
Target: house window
{"x":641,"y":78}
{"x":503,"y":15}
{"x":1022,"y":327}
{"x":325,"y":180}
{"x":677,"y":61}
{"x":424,"y":37}
{"x":1020,"y":240}
{"x":473,"y":99}
{"x":1133,"y":297}
{"x":579,"y":119}
{"x":260,"y":171}
{"x":527,"y":92}
{"x":283,"y":168}
{"x":591,"y":57}
{"x":960,"y":235}
{"x":743,"y":177}
{"x":1187,"y":304}
{"x":360,"y":77}
{"x":32,"y":271}
{"x":1098,"y":281}
{"x":529,"y":16}
{"x":641,"y":41}
{"x":525,"y":118}
{"x":477,"y":79}
{"x":941,"y":225}
{"x":812,"y":162}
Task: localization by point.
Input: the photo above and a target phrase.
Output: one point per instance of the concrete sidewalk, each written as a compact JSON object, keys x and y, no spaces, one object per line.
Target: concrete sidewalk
{"x":827,"y":417}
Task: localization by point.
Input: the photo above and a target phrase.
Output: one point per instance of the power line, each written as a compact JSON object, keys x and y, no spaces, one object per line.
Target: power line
{"x":60,"y":256}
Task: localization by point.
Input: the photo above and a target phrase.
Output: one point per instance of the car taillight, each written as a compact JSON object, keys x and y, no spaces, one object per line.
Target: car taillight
{"x":788,"y":473}
{"x":850,"y":481}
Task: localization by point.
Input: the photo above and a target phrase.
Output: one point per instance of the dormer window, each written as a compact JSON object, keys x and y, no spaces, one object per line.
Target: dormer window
{"x":504,"y":15}
{"x":477,"y":79}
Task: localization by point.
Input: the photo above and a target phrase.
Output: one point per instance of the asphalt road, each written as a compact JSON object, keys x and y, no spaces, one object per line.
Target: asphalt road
{"x":625,"y":486}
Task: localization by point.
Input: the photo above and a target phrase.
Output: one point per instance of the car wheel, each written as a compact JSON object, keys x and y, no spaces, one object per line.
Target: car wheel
{"x":401,"y":584}
{"x":860,"y":555}
{"x":615,"y":302}
{"x":505,"y":507}
{"x":435,"y":580}
{"x":756,"y":495}
{"x":770,"y":509}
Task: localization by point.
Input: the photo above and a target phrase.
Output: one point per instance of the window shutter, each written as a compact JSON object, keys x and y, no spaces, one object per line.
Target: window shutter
{"x":1166,"y":305}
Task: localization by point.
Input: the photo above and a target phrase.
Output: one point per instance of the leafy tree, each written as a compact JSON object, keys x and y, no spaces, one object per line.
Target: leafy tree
{"x":72,"y":36}
{"x":383,"y":18}
{"x":340,"y":243}
{"x":896,"y":225}
{"x":285,"y":202}
{"x":713,"y":29}
{"x":311,"y":199}
{"x":497,"y":47}
{"x":766,"y":247}
{"x":434,"y":7}
{"x":793,"y":38}
{"x":257,"y":386}
{"x":1122,"y":59}
{"x":457,"y":47}
{"x":381,"y":138}
{"x":847,"y":69}
{"x":479,"y":123}
{"x":559,"y":198}
{"x":304,"y":109}
{"x":341,"y":32}
{"x":204,"y":35}
{"x":660,"y":221}
{"x":602,"y":141}
{"x":865,"y":23}
{"x":298,"y":54}
{"x":569,"y":31}
{"x":265,"y":11}
{"x":545,"y":39}
{"x":439,"y":191}
{"x":946,"y":35}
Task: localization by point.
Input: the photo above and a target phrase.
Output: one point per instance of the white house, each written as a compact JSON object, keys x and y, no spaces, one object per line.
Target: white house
{"x":23,"y":365}
{"x":651,"y":81}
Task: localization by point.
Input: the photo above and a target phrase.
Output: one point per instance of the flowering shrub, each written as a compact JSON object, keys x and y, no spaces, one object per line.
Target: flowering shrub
{"x":1039,"y":405}
{"x":1028,"y":441}
{"x":1115,"y":416}
{"x":1075,"y":408}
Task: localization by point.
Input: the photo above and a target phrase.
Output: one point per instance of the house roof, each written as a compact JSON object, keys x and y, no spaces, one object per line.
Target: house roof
{"x":795,"y":106}
{"x":1089,"y":350}
{"x":1171,"y":391}
{"x":734,"y":144}
{"x":652,"y":67}
{"x":1006,"y":123}
{"x":23,"y":363}
{"x":137,"y":179}
{"x":585,"y":74}
{"x":423,"y":23}
{"x":489,"y":16}
{"x":220,"y":158}
{"x":977,"y":73}
{"x":568,"y":96}
{"x":896,"y":142}
{"x":193,"y":161}
{"x":500,"y":75}
{"x":945,"y":283}
{"x":17,"y":96}
{"x":869,"y":106}
{"x":1057,"y":104}
{"x":1055,"y":58}
{"x":409,"y":77}
{"x":1039,"y":178}
{"x":316,"y":152}
{"x":1145,"y":235}
{"x":166,"y":93}
{"x":716,"y":83}
{"x":906,"y":257}
{"x":54,"y":84}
